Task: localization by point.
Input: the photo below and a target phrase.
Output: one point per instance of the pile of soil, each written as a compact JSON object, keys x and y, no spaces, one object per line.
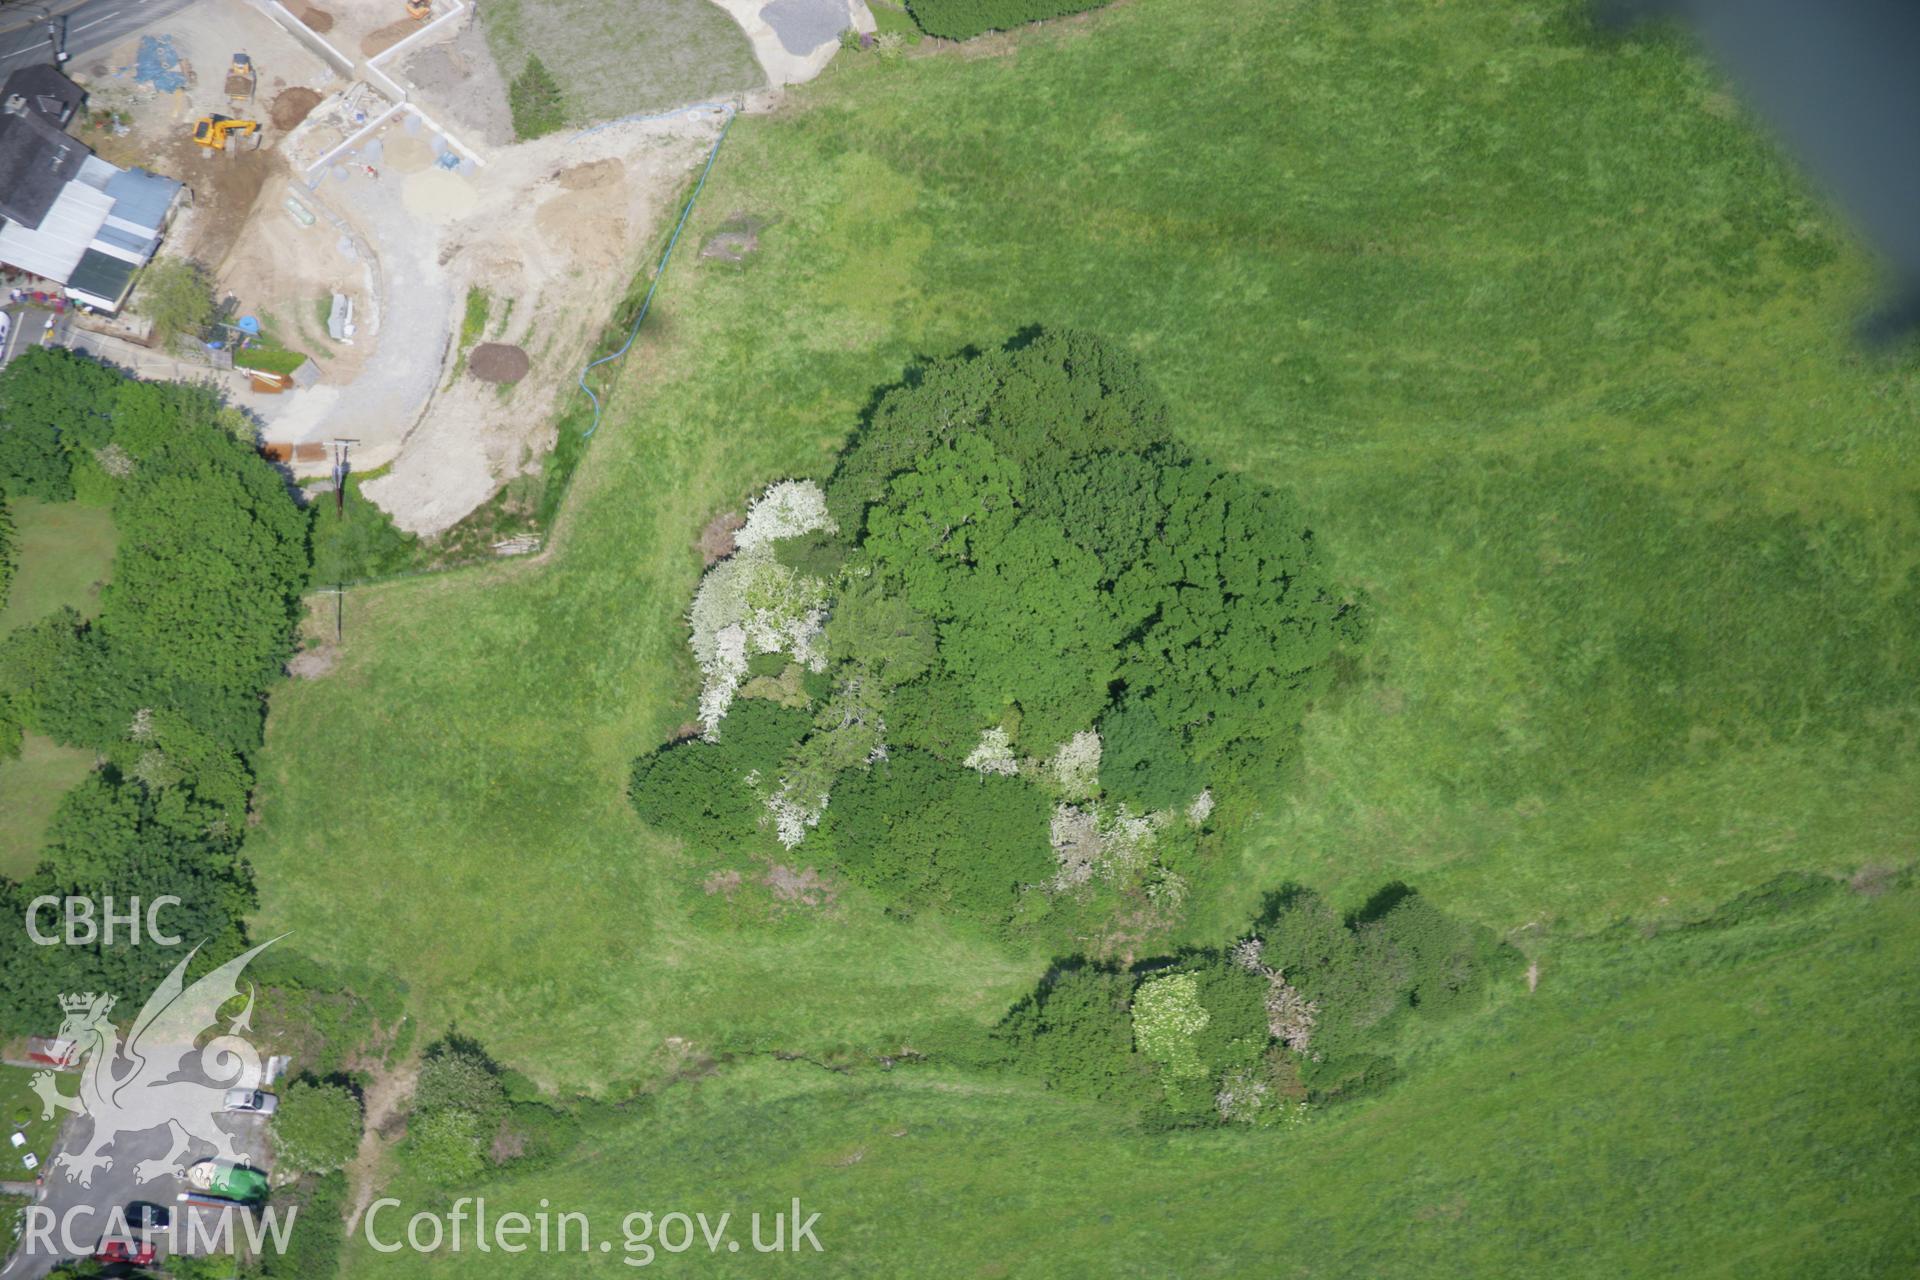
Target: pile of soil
{"x":461,"y":77}
{"x":388,"y":36}
{"x":291,"y":106}
{"x":591,"y":176}
{"x":316,"y":19}
{"x":497,"y":362}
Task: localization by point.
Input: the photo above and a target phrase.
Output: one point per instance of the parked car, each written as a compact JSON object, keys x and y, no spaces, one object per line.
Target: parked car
{"x":225,"y":1180}
{"x":145,"y":1215}
{"x":138,"y":1252}
{"x":6,"y":327}
{"x":254,"y":1101}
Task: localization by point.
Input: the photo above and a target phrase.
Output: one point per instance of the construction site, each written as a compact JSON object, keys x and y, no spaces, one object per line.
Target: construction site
{"x":398,"y":270}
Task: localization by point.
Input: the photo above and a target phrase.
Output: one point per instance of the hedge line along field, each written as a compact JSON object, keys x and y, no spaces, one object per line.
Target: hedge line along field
{"x":1550,"y":342}
{"x":1711,"y":1102}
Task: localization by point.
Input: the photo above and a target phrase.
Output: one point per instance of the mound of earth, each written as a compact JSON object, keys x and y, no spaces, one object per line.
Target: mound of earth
{"x":293,"y":105}
{"x":316,"y":19}
{"x":460,"y":75}
{"x":388,"y":36}
{"x":497,"y":362}
{"x":591,"y":176}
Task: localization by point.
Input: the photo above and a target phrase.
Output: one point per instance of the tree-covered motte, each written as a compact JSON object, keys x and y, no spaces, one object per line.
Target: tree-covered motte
{"x":1017,"y":594}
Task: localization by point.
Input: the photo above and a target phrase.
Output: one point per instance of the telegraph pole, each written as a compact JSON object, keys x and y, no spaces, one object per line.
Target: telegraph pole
{"x":341,"y":468}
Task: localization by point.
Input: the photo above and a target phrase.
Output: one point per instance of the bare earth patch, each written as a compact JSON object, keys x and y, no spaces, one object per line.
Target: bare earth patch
{"x":311,"y":664}
{"x":808,"y":887}
{"x":736,"y":238}
{"x":1872,"y":880}
{"x":388,"y":36}
{"x":716,"y":540}
{"x":317,"y":19}
{"x":382,"y":1097}
{"x":464,"y":86}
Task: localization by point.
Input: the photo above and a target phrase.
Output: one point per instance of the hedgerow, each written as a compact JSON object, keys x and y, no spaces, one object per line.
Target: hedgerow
{"x":964,"y":19}
{"x":1306,"y":1009}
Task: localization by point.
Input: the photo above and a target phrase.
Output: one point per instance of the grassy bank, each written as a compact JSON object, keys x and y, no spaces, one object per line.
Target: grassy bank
{"x":1711,"y":1102}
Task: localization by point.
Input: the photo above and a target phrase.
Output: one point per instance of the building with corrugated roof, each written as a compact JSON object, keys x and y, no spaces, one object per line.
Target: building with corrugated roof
{"x":68,"y":217}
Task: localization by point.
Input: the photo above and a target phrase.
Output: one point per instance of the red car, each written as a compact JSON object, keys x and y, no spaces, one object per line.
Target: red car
{"x":139,"y":1253}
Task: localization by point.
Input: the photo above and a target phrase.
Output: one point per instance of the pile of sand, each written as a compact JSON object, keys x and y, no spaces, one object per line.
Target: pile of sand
{"x":407,"y":154}
{"x":293,"y":105}
{"x":591,"y":215}
{"x":316,"y":19}
{"x":497,"y":362}
{"x":439,"y":195}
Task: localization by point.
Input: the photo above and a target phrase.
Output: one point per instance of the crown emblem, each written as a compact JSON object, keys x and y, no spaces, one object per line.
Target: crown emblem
{"x":83,"y":1001}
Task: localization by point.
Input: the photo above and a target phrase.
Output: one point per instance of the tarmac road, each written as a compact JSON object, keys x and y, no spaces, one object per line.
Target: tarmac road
{"x":83,"y":1213}
{"x":89,"y":25}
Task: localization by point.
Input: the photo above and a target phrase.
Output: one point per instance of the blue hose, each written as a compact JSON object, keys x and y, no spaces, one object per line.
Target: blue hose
{"x":658,"y":272}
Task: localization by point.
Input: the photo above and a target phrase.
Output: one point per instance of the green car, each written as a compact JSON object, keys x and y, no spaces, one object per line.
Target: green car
{"x":227,"y":1180}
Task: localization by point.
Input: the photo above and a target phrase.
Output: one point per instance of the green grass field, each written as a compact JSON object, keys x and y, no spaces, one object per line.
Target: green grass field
{"x":1552,"y":344}
{"x":614,"y":59}
{"x":65,"y":550}
{"x":31,"y":786}
{"x":1707,"y":1103}
{"x":17,"y":1100}
{"x":1636,"y":522}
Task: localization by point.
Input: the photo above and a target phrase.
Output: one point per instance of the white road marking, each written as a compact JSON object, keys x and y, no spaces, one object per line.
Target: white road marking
{"x":96,"y":22}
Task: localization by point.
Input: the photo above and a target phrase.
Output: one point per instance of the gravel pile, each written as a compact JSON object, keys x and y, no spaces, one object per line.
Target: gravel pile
{"x":805,"y":25}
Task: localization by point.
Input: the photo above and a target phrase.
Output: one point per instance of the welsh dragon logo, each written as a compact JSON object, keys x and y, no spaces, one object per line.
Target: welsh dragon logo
{"x":135,"y":1087}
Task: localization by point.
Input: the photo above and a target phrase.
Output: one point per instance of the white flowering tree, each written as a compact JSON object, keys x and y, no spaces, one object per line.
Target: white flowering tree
{"x":750,"y":603}
{"x":1167,"y":1018}
{"x":1076,"y":767}
{"x":994,"y":754}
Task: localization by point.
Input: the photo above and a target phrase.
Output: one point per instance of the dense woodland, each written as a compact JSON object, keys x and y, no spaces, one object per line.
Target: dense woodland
{"x":167,"y":684}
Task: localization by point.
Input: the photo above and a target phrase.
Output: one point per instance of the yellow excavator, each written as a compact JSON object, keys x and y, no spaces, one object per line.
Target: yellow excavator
{"x":419,"y":10}
{"x":221,"y":133}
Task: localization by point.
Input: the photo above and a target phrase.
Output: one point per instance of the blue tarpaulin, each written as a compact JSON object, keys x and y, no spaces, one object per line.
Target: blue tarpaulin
{"x":158,"y":65}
